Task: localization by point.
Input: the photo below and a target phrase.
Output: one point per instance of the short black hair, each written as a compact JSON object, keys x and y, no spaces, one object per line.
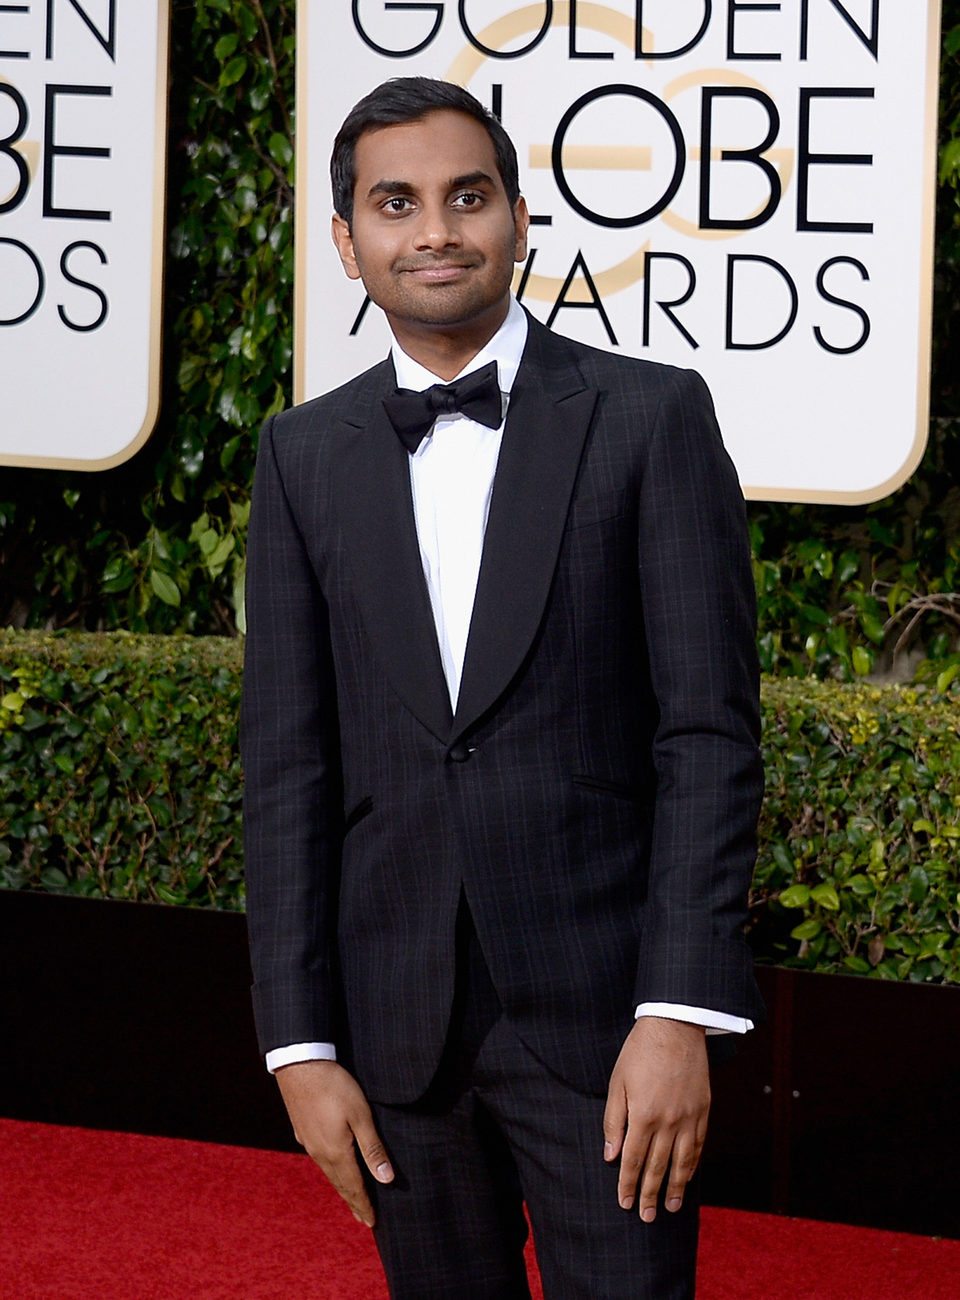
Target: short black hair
{"x":408,"y":99}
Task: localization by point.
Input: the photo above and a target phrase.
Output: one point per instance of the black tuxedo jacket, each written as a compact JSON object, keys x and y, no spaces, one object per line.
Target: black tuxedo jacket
{"x":595,"y":794}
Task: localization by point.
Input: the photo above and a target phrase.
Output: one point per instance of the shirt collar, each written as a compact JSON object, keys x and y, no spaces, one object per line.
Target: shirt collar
{"x":506,"y":348}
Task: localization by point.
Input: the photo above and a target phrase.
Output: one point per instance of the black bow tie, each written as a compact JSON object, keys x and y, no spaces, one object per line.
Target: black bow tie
{"x":476,"y":396}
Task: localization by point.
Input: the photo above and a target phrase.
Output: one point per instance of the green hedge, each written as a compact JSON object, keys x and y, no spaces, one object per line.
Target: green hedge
{"x":860,"y":831}
{"x":119,"y":776}
{"x":119,"y":772}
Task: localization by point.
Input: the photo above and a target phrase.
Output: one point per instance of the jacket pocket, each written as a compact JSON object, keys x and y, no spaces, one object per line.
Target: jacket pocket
{"x":357,"y":813}
{"x":588,"y":514}
{"x":618,"y":788}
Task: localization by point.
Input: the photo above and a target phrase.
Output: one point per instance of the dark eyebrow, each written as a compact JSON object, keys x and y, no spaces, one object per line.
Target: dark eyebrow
{"x":471,"y":178}
{"x":390,"y":187}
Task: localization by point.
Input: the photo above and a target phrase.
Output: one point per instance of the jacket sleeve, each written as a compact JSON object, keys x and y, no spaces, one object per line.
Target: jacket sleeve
{"x":290,"y":749}
{"x":699,"y":609}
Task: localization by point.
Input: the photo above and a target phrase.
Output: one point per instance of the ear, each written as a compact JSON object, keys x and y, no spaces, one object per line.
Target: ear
{"x":521,"y":223}
{"x":344,"y":242}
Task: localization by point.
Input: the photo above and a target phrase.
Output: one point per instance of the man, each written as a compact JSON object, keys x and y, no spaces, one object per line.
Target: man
{"x":500,"y":736}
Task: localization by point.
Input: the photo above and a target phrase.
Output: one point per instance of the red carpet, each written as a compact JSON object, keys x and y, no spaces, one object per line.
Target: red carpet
{"x":109,"y":1216}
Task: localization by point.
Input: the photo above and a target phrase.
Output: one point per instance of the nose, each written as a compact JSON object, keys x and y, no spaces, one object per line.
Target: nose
{"x":437,"y":228}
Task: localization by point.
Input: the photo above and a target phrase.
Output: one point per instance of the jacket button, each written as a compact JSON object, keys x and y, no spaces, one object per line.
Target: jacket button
{"x":459,"y":753}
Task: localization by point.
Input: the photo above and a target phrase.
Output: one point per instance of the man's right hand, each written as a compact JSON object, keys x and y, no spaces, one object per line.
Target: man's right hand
{"x":329,"y":1113}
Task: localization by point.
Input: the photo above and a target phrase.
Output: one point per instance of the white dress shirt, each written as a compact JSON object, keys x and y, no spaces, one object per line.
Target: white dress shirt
{"x":451,"y":476}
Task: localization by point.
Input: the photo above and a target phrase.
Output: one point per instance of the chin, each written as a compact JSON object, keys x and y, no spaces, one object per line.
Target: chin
{"x":439,"y":308}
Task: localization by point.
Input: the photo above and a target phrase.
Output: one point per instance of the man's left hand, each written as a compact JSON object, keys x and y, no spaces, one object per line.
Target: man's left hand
{"x":656,"y":1113}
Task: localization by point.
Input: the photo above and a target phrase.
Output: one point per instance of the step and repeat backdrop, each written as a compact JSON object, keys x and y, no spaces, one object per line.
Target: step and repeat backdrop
{"x":83,"y":142}
{"x":743,"y":188}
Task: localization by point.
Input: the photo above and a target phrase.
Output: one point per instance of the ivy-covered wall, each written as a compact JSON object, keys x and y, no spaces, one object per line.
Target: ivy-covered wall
{"x":157,"y":544}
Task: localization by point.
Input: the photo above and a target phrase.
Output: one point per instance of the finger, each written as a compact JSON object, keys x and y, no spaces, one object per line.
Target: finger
{"x":614,"y":1122}
{"x":346,"y":1178}
{"x":632,"y":1158}
{"x":654,"y":1172}
{"x":372,"y":1149}
{"x":686,"y":1157}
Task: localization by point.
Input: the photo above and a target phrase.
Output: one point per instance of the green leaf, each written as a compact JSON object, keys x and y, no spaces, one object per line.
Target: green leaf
{"x":227,"y":406}
{"x":781,"y":856}
{"x":218,"y":557}
{"x":229,"y":451}
{"x":873,"y":627}
{"x":795,"y":896}
{"x":208,"y":540}
{"x":260,"y":97}
{"x":247,"y":20}
{"x":946,"y":677}
{"x":226,"y":45}
{"x":233,"y":71}
{"x":949,"y":161}
{"x":826,"y":896}
{"x":199,"y":527}
{"x":113,"y":568}
{"x":814,"y":614}
{"x":861,"y":885}
{"x":862,"y":660}
{"x":281,"y":150}
{"x":239,"y":603}
{"x":848,"y":567}
{"x":164,"y":588}
{"x":934,"y":943}
{"x":919,"y":885}
{"x":807,"y":930}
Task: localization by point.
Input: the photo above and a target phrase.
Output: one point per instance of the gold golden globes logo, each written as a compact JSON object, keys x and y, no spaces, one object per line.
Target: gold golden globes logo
{"x":776,"y":176}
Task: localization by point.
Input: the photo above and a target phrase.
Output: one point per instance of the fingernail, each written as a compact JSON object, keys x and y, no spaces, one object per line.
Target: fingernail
{"x":608,"y":1150}
{"x":385,"y":1171}
{"x":626,"y":1202}
{"x":674,"y":1204}
{"x":357,"y":1216}
{"x":648,"y":1215}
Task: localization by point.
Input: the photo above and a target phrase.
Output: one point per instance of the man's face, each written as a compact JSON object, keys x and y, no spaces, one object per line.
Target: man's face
{"x":433,"y":235}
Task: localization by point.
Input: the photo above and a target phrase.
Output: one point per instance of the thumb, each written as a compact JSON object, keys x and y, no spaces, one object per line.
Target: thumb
{"x":614,"y":1122}
{"x":372,"y":1149}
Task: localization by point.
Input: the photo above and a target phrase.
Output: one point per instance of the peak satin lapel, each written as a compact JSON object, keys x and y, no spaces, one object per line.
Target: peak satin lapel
{"x":375,"y":504}
{"x":542,"y":445}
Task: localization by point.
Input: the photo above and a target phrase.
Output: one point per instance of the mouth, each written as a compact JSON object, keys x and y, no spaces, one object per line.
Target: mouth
{"x":438,"y":272}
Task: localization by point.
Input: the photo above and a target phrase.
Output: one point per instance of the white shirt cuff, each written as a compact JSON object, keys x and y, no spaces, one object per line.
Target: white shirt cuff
{"x":299,"y":1052}
{"x":715,"y":1022}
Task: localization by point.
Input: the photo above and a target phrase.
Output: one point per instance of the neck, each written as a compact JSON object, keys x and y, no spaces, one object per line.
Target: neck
{"x":445,"y":349}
